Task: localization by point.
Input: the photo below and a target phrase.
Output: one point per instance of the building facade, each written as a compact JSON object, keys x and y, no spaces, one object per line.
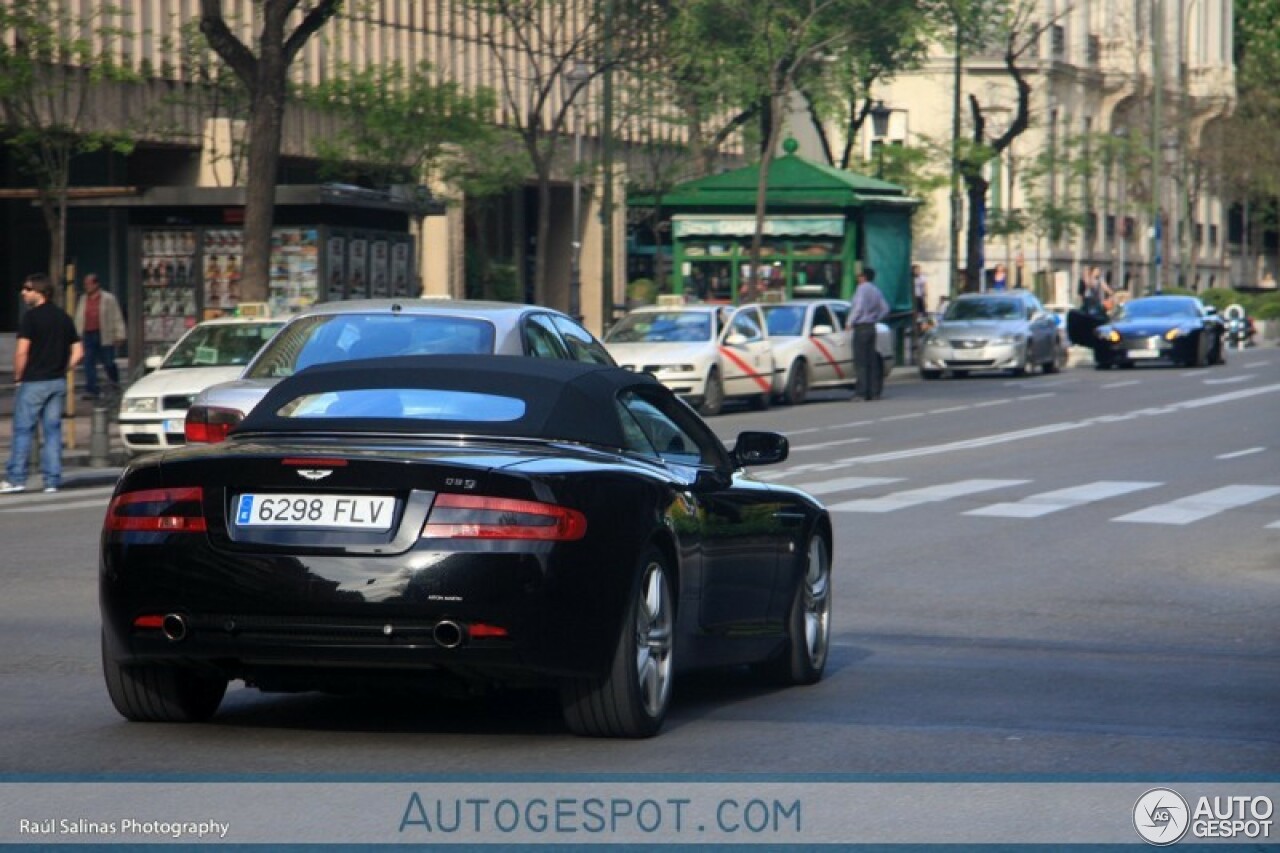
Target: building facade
{"x":1116,"y":167}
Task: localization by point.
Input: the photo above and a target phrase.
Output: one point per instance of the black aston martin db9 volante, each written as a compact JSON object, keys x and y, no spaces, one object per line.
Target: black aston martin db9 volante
{"x":1173,"y":329}
{"x":461,"y":521}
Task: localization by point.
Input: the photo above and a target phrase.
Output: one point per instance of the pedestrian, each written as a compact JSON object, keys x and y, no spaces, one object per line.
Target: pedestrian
{"x":101,"y":328}
{"x":1096,"y":298}
{"x":869,"y":308}
{"x":919,"y":288}
{"x":47,"y":347}
{"x":1000,"y":278}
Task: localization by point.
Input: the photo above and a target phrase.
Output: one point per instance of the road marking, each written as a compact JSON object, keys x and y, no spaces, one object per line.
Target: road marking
{"x":989,"y":403}
{"x":28,"y":507}
{"x":823,"y":444}
{"x":1060,"y":499}
{"x":1253,"y":365}
{"x":1237,"y":454}
{"x":905,"y":417}
{"x":35,"y":498}
{"x":1202,"y":505}
{"x":1123,"y":384}
{"x":1040,"y":396}
{"x":929,"y":494}
{"x":949,"y":410}
{"x":1230,"y":380}
{"x":845,"y":484}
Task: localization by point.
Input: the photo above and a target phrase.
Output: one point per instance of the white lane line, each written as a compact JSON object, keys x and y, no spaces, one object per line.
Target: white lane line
{"x":1253,"y":365}
{"x":1275,"y":525}
{"x":929,"y":494}
{"x":1040,"y":396}
{"x":948,"y":410}
{"x":989,"y":403}
{"x":1229,"y":380}
{"x":1047,"y":502}
{"x":845,"y":484}
{"x":906,"y":417}
{"x":822,"y":444}
{"x":1195,"y":507}
{"x":1123,"y":384}
{"x":1237,"y":454}
{"x":68,"y":505}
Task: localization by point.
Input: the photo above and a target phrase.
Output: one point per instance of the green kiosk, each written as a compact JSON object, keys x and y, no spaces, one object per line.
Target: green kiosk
{"x":821,"y":226}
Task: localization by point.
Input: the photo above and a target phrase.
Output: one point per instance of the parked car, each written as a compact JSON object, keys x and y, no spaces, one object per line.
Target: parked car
{"x":342,"y":331}
{"x":153,"y":410}
{"x":813,"y":346}
{"x":1172,"y":329}
{"x":1009,"y":330}
{"x":461,"y":522}
{"x":705,"y":353}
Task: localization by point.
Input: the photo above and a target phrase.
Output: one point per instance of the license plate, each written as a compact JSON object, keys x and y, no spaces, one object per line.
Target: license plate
{"x":362,"y":512}
{"x":173,"y":425}
{"x":1144,"y":353}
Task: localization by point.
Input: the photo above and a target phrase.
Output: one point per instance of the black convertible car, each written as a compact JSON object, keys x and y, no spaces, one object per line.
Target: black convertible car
{"x":1174,"y":329}
{"x":461,"y":522}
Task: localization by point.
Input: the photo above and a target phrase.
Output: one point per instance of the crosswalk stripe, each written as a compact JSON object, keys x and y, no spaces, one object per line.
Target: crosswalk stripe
{"x":845,"y":484}
{"x":930,"y":494}
{"x":1060,"y":499}
{"x":1202,"y":505}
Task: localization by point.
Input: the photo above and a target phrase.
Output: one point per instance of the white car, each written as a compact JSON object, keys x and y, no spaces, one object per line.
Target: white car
{"x":705,"y":353}
{"x":813,"y":346}
{"x":153,"y":409}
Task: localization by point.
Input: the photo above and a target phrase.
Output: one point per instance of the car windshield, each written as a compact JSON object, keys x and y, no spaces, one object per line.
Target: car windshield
{"x":784,"y":321}
{"x":651,"y":327}
{"x":327,"y":338}
{"x":1140,"y":309}
{"x":984,"y":309}
{"x":220,"y":345}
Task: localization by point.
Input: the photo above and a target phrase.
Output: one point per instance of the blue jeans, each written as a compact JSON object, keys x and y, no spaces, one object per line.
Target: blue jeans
{"x":95,"y":351}
{"x":43,"y":402}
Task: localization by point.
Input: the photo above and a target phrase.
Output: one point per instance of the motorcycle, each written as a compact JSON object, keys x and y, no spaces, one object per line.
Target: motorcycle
{"x":1238,"y":329}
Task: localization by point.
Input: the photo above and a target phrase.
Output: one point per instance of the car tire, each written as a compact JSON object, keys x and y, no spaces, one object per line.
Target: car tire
{"x":1220,"y":353}
{"x":156,"y":693}
{"x":712,"y":395}
{"x":632,"y":699}
{"x":762,"y":402}
{"x":797,"y":387}
{"x":930,"y":375}
{"x":1051,"y":366}
{"x":804,"y":657}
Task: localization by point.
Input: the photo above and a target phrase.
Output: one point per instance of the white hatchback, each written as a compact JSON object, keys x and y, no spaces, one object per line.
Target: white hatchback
{"x":153,"y":409}
{"x":705,"y":353}
{"x":813,"y":347}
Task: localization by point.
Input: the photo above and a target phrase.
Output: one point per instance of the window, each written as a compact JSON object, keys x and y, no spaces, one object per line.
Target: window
{"x":747,"y":324}
{"x":663,"y":435}
{"x":582,"y":346}
{"x":541,"y":339}
{"x":428,"y":404}
{"x":822,"y":317}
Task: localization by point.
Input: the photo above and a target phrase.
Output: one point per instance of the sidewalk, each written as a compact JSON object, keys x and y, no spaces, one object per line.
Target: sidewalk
{"x":77,"y":430}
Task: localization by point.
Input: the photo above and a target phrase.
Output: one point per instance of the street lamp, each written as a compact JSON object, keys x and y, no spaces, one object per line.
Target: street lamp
{"x":880,"y":130}
{"x":1121,"y":134}
{"x":572,"y":81}
{"x":1169,"y":151}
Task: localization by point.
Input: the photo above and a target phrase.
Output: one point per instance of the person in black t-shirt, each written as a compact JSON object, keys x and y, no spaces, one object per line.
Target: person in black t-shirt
{"x":47,"y":348}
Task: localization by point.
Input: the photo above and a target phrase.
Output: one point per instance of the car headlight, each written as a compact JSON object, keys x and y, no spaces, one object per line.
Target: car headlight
{"x":140,"y":405}
{"x":1173,"y":334}
{"x":932,"y":340}
{"x":1108,"y":335}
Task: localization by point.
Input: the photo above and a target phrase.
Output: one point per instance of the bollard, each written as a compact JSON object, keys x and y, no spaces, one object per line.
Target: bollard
{"x":99,"y":442}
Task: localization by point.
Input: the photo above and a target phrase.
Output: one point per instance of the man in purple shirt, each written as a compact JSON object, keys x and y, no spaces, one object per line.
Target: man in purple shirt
{"x":869,"y":308}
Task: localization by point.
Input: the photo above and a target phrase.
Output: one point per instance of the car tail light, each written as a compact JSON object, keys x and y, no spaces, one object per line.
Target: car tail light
{"x":209,"y":424}
{"x":158,"y":511}
{"x":477,"y":517}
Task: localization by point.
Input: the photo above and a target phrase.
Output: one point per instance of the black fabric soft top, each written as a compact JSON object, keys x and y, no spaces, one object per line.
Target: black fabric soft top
{"x":564,"y":400}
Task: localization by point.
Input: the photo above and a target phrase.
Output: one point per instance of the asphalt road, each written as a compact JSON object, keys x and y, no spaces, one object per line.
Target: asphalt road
{"x":1068,"y":574}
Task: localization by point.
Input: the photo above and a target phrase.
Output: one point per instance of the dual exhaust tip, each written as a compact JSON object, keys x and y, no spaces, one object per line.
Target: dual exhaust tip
{"x":446,"y":634}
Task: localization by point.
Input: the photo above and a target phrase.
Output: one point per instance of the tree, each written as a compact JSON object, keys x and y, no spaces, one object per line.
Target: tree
{"x":1017,"y":33}
{"x":51,"y":65}
{"x":547,"y":53}
{"x":265,"y":77}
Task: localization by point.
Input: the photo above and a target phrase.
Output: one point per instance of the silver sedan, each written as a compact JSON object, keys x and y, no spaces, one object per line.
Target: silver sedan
{"x":1008,"y":330}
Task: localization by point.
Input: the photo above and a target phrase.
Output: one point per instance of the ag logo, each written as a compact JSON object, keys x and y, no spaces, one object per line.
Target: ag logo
{"x":314,"y":473}
{"x":1161,"y":816}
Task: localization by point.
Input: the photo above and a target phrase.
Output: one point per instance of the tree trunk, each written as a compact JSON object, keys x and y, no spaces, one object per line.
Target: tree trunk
{"x":541,"y":286}
{"x":976,"y":188}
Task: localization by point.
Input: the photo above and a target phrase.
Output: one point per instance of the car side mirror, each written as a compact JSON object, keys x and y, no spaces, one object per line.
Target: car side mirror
{"x":822,"y":329}
{"x":152,"y":362}
{"x":735,"y":339}
{"x":760,"y":448}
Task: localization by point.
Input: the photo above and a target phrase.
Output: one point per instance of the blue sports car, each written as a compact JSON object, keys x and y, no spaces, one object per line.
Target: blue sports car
{"x":1174,"y":329}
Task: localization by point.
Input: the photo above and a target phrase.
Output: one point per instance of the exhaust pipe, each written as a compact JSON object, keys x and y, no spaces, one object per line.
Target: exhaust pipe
{"x":174,"y":627}
{"x":448,"y":635}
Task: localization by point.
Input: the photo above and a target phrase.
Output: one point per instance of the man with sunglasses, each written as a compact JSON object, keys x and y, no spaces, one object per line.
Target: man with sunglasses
{"x":47,"y":348}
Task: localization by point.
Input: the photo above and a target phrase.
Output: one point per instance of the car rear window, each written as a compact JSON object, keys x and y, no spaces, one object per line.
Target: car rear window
{"x":419,"y":404}
{"x":329,"y":338}
{"x":220,"y":345}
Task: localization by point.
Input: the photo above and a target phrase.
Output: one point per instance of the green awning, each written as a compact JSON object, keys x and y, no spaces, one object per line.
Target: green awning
{"x":745,"y":226}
